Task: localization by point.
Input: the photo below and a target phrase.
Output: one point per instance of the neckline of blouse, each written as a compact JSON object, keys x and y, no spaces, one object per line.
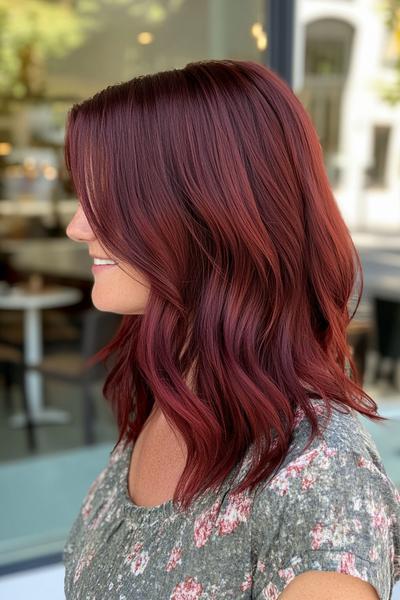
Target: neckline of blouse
{"x":167,"y":508}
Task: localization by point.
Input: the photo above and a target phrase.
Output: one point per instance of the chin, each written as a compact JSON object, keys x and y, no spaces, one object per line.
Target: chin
{"x":102,"y":304}
{"x":102,"y":307}
{"x":115,"y":308}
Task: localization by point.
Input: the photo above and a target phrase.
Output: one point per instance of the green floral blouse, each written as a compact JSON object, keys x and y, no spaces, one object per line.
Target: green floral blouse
{"x":330,"y":508}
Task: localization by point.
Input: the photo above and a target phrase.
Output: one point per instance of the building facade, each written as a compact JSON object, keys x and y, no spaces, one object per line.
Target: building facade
{"x":343,"y":56}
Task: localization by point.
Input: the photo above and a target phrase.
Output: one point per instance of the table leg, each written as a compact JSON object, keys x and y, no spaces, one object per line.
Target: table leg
{"x":33,"y":353}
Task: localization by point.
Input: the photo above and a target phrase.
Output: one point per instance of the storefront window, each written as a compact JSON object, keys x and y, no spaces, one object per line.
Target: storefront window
{"x":54,"y":54}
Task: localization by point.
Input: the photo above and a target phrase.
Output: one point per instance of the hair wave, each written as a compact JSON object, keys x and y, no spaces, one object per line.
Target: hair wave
{"x":210,"y":181}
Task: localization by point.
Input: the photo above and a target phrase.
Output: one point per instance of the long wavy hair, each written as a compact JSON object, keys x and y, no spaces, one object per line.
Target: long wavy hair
{"x":210,"y":181}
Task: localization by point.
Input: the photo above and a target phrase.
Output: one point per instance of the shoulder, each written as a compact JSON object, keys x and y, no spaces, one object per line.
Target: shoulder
{"x":329,"y":508}
{"x":344,"y":450}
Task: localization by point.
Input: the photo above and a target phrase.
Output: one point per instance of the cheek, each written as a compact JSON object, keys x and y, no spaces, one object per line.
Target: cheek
{"x":130,"y":289}
{"x":116,"y":291}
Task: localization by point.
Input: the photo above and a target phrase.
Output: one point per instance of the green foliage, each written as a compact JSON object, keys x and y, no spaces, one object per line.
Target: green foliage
{"x":31,"y":31}
{"x":391,"y":12}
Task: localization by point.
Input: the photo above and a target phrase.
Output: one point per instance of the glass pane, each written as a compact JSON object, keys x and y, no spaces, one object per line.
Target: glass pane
{"x":54,"y":54}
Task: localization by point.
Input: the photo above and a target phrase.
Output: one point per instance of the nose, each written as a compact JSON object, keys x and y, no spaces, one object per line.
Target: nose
{"x":78,"y":229}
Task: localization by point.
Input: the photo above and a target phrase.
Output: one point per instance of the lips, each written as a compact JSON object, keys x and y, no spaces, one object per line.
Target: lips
{"x":102,"y":268}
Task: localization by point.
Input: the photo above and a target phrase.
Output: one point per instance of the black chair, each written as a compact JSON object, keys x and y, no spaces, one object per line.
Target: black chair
{"x":387,"y":318}
{"x":68,"y":366}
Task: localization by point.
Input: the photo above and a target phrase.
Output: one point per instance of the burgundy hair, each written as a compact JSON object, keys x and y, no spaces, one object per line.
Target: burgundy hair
{"x":210,"y":181}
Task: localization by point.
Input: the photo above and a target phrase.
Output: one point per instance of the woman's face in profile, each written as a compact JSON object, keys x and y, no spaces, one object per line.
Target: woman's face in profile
{"x":117,"y":288}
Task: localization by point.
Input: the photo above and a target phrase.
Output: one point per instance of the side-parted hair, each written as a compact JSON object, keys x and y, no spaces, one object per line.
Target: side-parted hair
{"x":210,"y":181}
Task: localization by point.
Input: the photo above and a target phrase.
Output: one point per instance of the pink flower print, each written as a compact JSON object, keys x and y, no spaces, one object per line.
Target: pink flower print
{"x":300,"y":463}
{"x":319,"y":535}
{"x":83,"y":562}
{"x":357,"y":524}
{"x":347,"y":564}
{"x":274,"y":444}
{"x":247,"y":583}
{"x":139,"y":563}
{"x":280,"y":485}
{"x":137,"y":558}
{"x":105,"y":511}
{"x":380,"y":520}
{"x":307,"y":482}
{"x":190,"y":589}
{"x":204,"y":523}
{"x":332,"y":536}
{"x":286,"y":574}
{"x":87,"y":505}
{"x":318,"y":408}
{"x":298,"y":417}
{"x":364,"y":463}
{"x":134,"y":552}
{"x":295,"y":468}
{"x":280,"y":482}
{"x":324,"y":462}
{"x":237,"y":511}
{"x":174,"y":558}
{"x":270,"y":592}
{"x":261,"y":566}
{"x":373,"y":553}
{"x":329,"y":451}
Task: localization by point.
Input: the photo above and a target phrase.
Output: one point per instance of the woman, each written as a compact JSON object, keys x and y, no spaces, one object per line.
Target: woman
{"x":241,"y":469}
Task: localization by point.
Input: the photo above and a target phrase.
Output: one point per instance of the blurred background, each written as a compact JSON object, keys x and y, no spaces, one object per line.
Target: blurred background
{"x":342,"y":59}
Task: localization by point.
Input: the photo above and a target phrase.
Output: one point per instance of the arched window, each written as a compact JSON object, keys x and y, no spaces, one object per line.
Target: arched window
{"x":327,"y":58}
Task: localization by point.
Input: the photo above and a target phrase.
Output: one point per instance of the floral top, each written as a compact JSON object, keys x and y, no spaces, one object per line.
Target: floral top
{"x":330,"y":508}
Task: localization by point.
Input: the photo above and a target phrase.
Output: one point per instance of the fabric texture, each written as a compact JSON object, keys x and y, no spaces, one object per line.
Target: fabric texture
{"x":330,"y":508}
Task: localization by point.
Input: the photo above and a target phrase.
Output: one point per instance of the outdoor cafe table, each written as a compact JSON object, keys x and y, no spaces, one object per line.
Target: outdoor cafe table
{"x":32,"y":304}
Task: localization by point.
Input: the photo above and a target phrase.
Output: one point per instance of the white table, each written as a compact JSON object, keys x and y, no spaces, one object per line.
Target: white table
{"x":32,"y":303}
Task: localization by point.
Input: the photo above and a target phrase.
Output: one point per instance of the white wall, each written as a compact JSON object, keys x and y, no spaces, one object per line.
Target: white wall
{"x":362,"y":108}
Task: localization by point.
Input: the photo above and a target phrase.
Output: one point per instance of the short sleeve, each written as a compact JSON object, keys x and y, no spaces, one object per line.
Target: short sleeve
{"x":327,"y":510}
